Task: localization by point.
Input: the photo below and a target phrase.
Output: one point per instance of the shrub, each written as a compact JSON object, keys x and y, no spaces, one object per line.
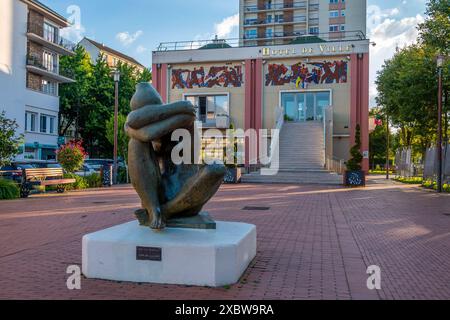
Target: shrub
{"x":8,"y":190}
{"x":410,"y":180}
{"x":354,"y":164}
{"x":71,"y":156}
{"x":80,"y":183}
{"x":94,"y":180}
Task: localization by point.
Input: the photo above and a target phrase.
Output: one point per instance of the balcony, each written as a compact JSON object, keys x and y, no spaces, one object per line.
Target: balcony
{"x":267,"y":22}
{"x":276,"y":6}
{"x":55,"y":42}
{"x":35,"y":65}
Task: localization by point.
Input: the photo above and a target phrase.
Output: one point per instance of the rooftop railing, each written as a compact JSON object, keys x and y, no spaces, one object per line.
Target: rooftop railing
{"x":254,"y":40}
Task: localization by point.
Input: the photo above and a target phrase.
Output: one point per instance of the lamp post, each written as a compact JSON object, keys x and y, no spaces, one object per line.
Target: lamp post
{"x":116,"y":125}
{"x":388,"y":162}
{"x":440,"y":63}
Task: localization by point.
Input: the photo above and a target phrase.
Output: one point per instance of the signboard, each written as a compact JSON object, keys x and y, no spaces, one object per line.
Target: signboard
{"x":148,"y":254}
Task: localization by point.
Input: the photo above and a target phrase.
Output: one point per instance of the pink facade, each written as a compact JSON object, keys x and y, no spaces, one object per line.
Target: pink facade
{"x":254,"y":83}
{"x":160,"y":79}
{"x":253,"y":97}
{"x":359,"y":108}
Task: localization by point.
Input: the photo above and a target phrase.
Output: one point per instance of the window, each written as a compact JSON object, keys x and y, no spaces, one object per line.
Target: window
{"x":250,"y":21}
{"x":334,"y":1}
{"x":50,"y":61}
{"x":43,"y":123}
{"x":334,"y":14}
{"x":50,"y":33}
{"x":209,"y":107}
{"x":47,"y":124}
{"x":342,"y":13}
{"x":342,"y":27}
{"x":334,"y":28}
{"x":279,"y":18}
{"x":30,"y":121}
{"x":49,"y":87}
{"x":269,"y":33}
{"x":314,"y":30}
{"x":251,"y":34}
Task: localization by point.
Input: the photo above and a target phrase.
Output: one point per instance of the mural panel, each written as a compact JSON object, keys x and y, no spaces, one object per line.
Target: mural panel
{"x":307,"y":72}
{"x":217,"y":76}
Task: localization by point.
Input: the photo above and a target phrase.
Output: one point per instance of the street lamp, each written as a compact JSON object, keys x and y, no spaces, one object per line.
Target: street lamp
{"x":116,"y":124}
{"x":440,"y":63}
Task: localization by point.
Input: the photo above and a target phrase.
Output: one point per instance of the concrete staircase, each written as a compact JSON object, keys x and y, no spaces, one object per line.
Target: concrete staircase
{"x":302,"y":155}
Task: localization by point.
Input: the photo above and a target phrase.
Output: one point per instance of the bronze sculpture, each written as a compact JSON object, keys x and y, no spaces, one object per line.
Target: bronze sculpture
{"x":167,"y":191}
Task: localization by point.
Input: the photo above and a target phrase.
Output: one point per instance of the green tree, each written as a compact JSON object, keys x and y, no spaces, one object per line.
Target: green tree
{"x":9,"y":141}
{"x":101,"y":106}
{"x":127,"y":86}
{"x":122,"y":137}
{"x":435,"y":31}
{"x":435,"y":34}
{"x":406,"y":86}
{"x":145,"y":76}
{"x":74,"y":97}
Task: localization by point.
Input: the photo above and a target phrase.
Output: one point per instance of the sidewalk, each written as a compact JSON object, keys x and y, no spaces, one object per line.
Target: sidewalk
{"x":314,"y":242}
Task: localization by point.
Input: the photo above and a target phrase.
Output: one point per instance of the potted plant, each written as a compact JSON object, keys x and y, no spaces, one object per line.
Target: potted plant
{"x":233,"y":171}
{"x":354,"y":175}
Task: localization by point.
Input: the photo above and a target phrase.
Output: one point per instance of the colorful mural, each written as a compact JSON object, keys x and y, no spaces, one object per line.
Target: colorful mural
{"x":308,"y":72}
{"x":223,"y":76}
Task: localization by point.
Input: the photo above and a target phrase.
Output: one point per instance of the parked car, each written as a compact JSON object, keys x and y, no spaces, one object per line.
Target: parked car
{"x":45,"y":165}
{"x":14,"y":171}
{"x":97,"y":164}
{"x":85,"y":171}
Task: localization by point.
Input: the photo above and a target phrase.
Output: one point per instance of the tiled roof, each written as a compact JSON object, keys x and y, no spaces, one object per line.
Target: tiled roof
{"x":114,"y":52}
{"x":43,"y":6}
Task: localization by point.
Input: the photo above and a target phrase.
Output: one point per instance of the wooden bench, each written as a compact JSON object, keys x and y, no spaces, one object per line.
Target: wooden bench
{"x":43,"y":177}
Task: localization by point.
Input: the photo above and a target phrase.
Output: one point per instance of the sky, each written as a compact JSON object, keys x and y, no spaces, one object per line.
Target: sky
{"x":136,"y":27}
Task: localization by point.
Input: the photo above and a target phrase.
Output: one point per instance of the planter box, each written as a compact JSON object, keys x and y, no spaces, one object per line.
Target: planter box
{"x":355,"y":178}
{"x":233,"y":175}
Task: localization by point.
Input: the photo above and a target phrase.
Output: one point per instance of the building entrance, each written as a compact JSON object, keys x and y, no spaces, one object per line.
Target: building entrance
{"x":305,"y":106}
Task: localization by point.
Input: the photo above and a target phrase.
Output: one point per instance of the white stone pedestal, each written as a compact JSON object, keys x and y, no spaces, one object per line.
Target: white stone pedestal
{"x":211,"y":258}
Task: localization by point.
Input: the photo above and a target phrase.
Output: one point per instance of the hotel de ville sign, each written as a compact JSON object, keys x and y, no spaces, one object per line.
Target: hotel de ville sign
{"x":319,"y":49}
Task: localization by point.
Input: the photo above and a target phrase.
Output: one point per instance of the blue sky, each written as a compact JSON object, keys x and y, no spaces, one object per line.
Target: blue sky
{"x":136,"y":27}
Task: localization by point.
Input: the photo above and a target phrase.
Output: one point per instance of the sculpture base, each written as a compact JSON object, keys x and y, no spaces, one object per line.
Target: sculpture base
{"x":133,"y":253}
{"x":200,"y":221}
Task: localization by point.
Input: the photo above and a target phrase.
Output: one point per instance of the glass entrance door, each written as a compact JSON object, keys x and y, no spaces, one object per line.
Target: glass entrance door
{"x":305,"y":106}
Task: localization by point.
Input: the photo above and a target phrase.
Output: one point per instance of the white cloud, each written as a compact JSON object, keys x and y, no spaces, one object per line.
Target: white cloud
{"x":228,"y":25}
{"x":388,"y":33}
{"x":141,"y":49}
{"x":127,"y":39}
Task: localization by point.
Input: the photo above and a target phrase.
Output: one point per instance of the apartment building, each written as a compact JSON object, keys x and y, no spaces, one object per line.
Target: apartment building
{"x":31,"y":47}
{"x":112,"y":57}
{"x":275,"y":22}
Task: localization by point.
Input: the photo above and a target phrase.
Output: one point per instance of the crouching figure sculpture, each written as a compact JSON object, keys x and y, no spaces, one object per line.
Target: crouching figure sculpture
{"x":167,"y":191}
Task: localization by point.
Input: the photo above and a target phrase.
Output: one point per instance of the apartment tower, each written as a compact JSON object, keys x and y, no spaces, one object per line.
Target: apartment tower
{"x":274,"y":22}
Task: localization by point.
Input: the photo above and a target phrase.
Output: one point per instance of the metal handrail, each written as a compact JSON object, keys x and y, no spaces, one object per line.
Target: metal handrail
{"x":335,"y":165}
{"x":248,"y":41}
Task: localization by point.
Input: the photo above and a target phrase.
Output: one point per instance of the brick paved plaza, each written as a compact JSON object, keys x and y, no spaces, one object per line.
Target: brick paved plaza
{"x":315,"y":242}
